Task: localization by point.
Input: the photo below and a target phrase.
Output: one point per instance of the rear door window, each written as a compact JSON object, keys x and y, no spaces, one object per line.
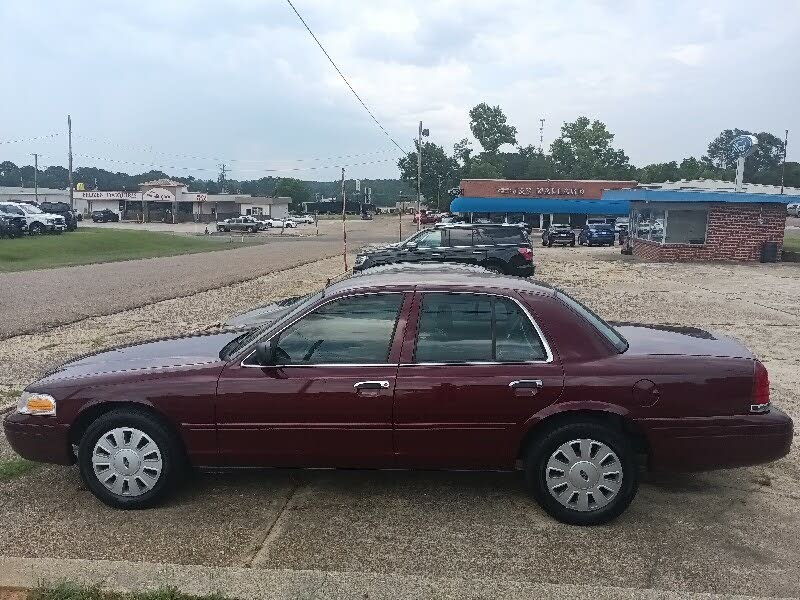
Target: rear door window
{"x":467,"y":328}
{"x":500,"y":235}
{"x":460,"y":236}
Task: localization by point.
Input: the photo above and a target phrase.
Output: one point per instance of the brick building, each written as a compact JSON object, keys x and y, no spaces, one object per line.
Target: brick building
{"x":673,"y":225}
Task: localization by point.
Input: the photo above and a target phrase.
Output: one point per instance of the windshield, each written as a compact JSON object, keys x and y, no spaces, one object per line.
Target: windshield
{"x":606,"y":330}
{"x":31,"y":210}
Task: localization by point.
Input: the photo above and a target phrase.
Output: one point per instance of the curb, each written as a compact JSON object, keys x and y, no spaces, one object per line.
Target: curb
{"x":280,"y":584}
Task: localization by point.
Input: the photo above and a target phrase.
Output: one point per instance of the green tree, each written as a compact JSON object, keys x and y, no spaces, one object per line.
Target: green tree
{"x":583,"y":151}
{"x":488,"y":125}
{"x":439,"y":173}
{"x":296,"y":190}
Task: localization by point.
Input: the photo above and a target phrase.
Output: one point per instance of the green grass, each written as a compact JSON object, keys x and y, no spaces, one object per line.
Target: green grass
{"x":71,"y":591}
{"x":94,"y":245}
{"x":791,"y":241}
{"x":15,"y":467}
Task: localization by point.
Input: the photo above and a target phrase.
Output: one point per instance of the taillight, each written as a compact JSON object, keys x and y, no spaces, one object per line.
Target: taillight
{"x":760,"y":397}
{"x":527,"y":253}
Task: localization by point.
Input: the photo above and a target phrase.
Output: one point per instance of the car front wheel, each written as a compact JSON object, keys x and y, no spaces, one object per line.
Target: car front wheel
{"x":129,"y":459}
{"x":582,"y":473}
{"x":36,"y":229}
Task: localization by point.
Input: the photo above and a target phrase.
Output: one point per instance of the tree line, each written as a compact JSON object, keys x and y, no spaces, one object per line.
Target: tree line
{"x":583,"y":150}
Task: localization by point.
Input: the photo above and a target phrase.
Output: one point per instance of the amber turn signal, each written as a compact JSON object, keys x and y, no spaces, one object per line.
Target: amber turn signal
{"x":32,"y":403}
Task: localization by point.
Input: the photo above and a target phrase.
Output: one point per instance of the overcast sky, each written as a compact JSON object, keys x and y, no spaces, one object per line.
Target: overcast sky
{"x":177,"y":83}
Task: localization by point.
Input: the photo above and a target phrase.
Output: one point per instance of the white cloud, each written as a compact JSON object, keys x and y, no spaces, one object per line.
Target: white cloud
{"x":245,"y":80}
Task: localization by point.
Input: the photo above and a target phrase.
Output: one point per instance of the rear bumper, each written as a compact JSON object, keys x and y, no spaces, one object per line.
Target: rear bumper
{"x":718,"y":442}
{"x":34,"y":440}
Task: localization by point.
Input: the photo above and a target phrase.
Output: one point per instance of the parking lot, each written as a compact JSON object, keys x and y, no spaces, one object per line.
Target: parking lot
{"x":730,"y":532}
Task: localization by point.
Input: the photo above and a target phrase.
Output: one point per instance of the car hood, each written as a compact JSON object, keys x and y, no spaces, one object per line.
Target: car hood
{"x":157,"y":354}
{"x":673,"y":339}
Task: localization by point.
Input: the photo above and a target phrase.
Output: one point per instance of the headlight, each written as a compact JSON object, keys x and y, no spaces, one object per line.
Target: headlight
{"x":50,"y":221}
{"x":34,"y":403}
{"x":360,"y":260}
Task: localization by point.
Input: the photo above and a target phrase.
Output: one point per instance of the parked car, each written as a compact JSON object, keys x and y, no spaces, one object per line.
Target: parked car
{"x":559,"y":235}
{"x":413,"y":368}
{"x":36,"y":220}
{"x":425,"y":218}
{"x":793,"y":209}
{"x":303,"y":219}
{"x":599,"y":235}
{"x":495,"y":247}
{"x":12,"y":226}
{"x":105,"y":216}
{"x":280,"y":223}
{"x":62,"y":209}
{"x":366,"y":216}
{"x":248,"y":224}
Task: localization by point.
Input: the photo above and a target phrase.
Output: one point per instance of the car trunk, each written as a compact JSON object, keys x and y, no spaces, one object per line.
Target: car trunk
{"x":677,"y":340}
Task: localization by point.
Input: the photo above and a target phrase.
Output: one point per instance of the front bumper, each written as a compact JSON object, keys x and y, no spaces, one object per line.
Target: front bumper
{"x":718,"y":442}
{"x":38,"y":438}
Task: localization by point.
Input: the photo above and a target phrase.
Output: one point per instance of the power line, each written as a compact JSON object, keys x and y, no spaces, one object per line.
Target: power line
{"x":215,"y":169}
{"x":218,"y":159}
{"x":33,"y":139}
{"x":321,"y":47}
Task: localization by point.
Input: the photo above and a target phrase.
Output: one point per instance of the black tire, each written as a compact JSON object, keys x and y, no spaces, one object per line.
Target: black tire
{"x":172,"y":460}
{"x":544,"y":243}
{"x":251,"y":230}
{"x":547,"y":444}
{"x":36,"y":229}
{"x":572,"y":243}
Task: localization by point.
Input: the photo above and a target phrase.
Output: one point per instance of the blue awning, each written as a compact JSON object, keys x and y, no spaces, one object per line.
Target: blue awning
{"x":516,"y":204}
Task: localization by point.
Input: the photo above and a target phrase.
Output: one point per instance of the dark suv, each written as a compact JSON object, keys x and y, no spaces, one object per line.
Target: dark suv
{"x":558,"y":235}
{"x":104,"y":216}
{"x":62,"y":209}
{"x":499,"y":248}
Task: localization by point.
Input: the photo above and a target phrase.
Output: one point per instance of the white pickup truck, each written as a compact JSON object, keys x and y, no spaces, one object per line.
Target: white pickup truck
{"x":37,"y":221}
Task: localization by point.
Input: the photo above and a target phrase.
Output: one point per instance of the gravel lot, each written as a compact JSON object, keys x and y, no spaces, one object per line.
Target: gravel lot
{"x":726,"y":532}
{"x":38,"y":300}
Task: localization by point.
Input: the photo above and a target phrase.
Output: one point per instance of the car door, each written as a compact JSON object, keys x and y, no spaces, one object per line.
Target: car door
{"x":474,"y":368}
{"x":328,"y":399}
{"x":460,"y":246}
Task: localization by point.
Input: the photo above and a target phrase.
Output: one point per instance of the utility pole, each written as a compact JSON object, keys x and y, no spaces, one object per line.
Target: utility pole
{"x":783,"y":167}
{"x":439,"y":193}
{"x":426,"y":133}
{"x":35,"y":180}
{"x":221,"y":178}
{"x":541,"y":135}
{"x":344,"y":225}
{"x":69,"y":137}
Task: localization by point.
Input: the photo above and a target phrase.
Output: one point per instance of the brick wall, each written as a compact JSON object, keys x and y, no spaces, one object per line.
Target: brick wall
{"x":734,"y":233}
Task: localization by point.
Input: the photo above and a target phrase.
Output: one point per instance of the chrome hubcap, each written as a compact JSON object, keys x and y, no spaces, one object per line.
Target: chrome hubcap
{"x":127,"y":461}
{"x":583,"y":475}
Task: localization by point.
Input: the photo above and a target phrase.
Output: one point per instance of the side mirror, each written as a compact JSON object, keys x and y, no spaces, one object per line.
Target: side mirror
{"x":265,"y":353}
{"x":411,"y":246}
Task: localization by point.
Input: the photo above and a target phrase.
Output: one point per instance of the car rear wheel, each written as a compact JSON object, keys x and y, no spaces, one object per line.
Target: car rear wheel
{"x":129,"y":459}
{"x":582,"y":473}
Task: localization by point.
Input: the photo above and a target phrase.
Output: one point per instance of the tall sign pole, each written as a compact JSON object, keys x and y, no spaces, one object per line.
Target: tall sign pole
{"x":344,"y":225}
{"x":743,"y":146}
{"x":783,"y":167}
{"x":69,"y":137}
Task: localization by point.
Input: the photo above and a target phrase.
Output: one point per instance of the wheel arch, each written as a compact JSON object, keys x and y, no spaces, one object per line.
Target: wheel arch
{"x":93,"y":412}
{"x":609,"y":415}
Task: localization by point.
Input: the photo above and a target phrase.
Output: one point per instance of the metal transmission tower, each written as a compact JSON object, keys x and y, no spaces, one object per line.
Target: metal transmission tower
{"x":541,"y":135}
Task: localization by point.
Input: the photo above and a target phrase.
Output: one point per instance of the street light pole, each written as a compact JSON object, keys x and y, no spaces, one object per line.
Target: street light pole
{"x":426,"y":133}
{"x":783,"y":167}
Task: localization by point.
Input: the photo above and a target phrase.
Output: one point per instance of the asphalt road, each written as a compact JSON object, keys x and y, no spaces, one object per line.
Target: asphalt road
{"x":34,"y":301}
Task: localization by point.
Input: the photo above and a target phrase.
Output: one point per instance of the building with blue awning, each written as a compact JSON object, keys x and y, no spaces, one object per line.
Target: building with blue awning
{"x":539,"y":202}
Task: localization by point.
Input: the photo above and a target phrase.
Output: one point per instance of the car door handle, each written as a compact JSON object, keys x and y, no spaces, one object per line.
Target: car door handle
{"x":477,"y":251}
{"x":529,"y":387}
{"x":371,"y":385}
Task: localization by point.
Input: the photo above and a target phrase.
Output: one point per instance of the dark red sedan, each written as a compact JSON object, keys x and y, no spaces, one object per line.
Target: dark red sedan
{"x":417,"y":367}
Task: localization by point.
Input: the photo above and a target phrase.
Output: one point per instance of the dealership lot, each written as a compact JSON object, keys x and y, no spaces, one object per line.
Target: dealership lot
{"x":724,"y":532}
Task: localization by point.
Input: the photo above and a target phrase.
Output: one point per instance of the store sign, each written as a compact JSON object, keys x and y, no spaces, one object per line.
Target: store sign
{"x":744,"y":145}
{"x":542,"y":191}
{"x":159,"y":195}
{"x":197,"y":197}
{"x":95,"y":195}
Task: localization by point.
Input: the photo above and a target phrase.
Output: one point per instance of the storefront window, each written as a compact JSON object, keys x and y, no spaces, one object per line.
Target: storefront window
{"x":687,"y":227}
{"x":670,"y":226}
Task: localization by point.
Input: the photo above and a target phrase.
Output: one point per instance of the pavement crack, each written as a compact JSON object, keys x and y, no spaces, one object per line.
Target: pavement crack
{"x":258,"y":551}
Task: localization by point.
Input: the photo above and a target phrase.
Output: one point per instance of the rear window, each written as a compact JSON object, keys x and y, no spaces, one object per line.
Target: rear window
{"x":509,"y":234}
{"x":606,"y":330}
